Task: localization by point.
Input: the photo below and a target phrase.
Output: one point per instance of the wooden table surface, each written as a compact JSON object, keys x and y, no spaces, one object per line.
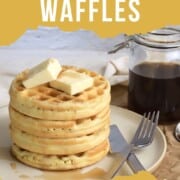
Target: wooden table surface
{"x":169,"y":169}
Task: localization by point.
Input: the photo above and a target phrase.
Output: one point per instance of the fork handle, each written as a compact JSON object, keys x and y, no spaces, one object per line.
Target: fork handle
{"x":134,"y":163}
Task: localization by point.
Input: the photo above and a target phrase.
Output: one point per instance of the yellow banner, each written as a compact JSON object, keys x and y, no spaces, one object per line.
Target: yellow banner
{"x":106,"y":17}
{"x":140,"y":176}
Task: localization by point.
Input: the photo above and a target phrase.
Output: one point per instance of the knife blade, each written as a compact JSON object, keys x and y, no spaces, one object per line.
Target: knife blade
{"x":118,"y":144}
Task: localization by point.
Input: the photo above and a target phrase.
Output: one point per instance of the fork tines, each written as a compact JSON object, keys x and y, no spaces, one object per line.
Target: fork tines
{"x":147,"y":126}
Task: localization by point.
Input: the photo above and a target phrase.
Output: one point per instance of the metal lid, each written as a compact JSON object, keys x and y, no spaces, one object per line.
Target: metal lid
{"x":163,"y":38}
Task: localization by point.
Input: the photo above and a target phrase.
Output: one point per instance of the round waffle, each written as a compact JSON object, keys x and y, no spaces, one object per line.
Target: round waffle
{"x":59,"y":146}
{"x":44,"y":102}
{"x":54,"y":162}
{"x":59,"y":129}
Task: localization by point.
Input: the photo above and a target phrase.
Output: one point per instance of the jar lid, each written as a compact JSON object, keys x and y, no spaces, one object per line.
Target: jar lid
{"x":162,"y":38}
{"x":165,"y":38}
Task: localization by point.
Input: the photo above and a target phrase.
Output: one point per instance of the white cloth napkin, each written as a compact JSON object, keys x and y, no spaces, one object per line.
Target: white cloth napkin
{"x":117,"y":71}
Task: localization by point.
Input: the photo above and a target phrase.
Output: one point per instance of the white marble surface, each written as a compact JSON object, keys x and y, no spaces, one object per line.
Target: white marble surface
{"x":55,"y":39}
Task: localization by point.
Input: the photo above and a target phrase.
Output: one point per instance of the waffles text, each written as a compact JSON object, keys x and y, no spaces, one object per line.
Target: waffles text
{"x":90,"y":10}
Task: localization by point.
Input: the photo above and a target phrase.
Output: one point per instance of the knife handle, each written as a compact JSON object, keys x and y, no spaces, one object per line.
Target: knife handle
{"x":134,"y":163}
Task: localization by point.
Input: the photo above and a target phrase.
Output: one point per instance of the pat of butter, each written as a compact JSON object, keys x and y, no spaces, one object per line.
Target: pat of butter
{"x":72,"y":82}
{"x":45,"y":72}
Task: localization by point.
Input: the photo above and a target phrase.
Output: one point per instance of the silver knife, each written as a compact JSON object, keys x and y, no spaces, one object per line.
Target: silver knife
{"x":119,"y":145}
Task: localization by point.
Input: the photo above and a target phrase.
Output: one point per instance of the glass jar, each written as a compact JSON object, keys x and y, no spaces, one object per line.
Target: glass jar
{"x":154,"y":74}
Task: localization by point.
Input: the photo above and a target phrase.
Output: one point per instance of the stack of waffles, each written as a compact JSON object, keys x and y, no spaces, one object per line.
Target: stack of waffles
{"x":55,"y":131}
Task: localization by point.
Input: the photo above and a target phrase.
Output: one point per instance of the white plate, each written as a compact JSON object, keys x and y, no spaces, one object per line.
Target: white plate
{"x":127,"y":122}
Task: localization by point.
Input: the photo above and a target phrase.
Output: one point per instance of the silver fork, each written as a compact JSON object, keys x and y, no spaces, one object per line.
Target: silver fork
{"x":143,"y":136}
